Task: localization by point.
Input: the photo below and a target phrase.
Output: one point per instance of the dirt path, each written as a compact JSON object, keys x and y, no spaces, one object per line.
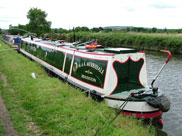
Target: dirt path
{"x":4,"y":79}
{"x":8,"y":126}
{"x":6,"y":121}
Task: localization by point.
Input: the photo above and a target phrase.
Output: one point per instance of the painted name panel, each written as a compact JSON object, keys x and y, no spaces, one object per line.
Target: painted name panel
{"x":89,"y":70}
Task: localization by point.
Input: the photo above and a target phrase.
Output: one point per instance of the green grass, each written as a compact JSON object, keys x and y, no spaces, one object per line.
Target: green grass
{"x":56,"y":108}
{"x":2,"y":131}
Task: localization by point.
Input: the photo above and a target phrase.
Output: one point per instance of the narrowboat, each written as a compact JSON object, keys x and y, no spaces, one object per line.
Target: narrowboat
{"x":117,"y":75}
{"x":12,"y":40}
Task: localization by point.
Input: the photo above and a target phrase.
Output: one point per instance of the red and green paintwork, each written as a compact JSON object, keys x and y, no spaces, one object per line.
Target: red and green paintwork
{"x":89,"y":70}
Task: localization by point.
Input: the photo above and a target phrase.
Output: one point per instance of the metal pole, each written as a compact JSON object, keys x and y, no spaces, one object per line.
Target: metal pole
{"x":169,"y":57}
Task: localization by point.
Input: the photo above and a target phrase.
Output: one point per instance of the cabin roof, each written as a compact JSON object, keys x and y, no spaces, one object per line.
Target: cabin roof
{"x":120,"y":50}
{"x":81,"y":47}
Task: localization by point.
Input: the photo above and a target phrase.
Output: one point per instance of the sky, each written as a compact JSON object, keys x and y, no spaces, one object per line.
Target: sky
{"x":95,"y":13}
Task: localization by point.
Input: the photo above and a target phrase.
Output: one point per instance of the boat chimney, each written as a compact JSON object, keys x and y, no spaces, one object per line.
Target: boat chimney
{"x":74,"y":36}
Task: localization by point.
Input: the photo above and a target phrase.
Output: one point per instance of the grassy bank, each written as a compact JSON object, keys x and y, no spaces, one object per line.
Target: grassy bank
{"x":2,"y":131}
{"x":136,"y":40}
{"x":47,"y":106}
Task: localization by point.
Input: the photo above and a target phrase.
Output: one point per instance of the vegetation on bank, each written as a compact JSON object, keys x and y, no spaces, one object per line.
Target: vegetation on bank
{"x":47,"y":106}
{"x":2,"y":131}
{"x":134,"y":40}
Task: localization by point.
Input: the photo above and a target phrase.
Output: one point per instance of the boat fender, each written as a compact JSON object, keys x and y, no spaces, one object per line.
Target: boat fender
{"x":160,"y":102}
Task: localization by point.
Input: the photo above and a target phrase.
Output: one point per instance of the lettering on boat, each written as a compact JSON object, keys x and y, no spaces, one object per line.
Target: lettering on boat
{"x":88,"y":64}
{"x":88,"y":78}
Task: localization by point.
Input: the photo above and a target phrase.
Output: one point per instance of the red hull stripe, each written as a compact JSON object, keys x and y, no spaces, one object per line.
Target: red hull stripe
{"x":143,"y":115}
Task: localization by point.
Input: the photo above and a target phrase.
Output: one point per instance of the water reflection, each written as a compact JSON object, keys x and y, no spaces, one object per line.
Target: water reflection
{"x":170,"y":82}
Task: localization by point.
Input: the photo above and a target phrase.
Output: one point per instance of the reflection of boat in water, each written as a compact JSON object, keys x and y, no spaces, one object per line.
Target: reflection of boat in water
{"x":116,"y":74}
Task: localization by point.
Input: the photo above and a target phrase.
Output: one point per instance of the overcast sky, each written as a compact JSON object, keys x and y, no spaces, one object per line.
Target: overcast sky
{"x":96,"y":13}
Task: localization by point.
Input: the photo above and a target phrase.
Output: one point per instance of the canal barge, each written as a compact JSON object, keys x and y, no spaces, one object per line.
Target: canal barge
{"x":117,"y":75}
{"x":12,"y":40}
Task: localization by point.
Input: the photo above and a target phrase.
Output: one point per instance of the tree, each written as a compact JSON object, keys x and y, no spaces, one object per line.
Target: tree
{"x":83,"y":28}
{"x":95,"y":29}
{"x":61,"y":30}
{"x":18,"y":30}
{"x":12,"y":30}
{"x":37,"y":21}
{"x":154,"y":29}
{"x":107,"y":30}
{"x":101,"y":29}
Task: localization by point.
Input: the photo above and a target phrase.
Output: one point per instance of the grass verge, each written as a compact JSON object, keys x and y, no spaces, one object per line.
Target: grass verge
{"x":47,"y":106}
{"x":2,"y":131}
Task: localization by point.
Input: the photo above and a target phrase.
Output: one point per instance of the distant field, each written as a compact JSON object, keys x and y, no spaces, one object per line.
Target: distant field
{"x":47,"y":106}
{"x":159,"y":34}
{"x":144,"y":41}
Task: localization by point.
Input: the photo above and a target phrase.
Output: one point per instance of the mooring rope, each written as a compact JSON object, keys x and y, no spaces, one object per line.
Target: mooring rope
{"x":118,"y":113}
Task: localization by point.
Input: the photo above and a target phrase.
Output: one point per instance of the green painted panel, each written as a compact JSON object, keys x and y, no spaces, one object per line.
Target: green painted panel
{"x":30,"y":48}
{"x":89,"y":70}
{"x":27,"y":47}
{"x":34,"y":49}
{"x":59,"y":59}
{"x":49,"y":55}
{"x":128,"y":75}
{"x":68,"y":63}
{"x":23,"y":45}
{"x":42,"y":53}
{"x":38,"y":51}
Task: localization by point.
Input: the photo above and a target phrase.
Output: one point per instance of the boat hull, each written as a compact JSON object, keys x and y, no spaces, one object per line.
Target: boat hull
{"x":139,"y":109}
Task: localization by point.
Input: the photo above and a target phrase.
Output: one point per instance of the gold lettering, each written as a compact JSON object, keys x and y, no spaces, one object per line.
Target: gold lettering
{"x":88,"y":78}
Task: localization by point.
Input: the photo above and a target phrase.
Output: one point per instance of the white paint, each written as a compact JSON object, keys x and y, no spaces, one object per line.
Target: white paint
{"x":132,"y":106}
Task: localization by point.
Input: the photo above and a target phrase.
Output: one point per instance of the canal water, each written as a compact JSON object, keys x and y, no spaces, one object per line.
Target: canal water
{"x":170,"y":82}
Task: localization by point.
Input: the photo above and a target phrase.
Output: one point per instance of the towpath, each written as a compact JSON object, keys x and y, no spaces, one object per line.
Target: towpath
{"x":7,"y":124}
